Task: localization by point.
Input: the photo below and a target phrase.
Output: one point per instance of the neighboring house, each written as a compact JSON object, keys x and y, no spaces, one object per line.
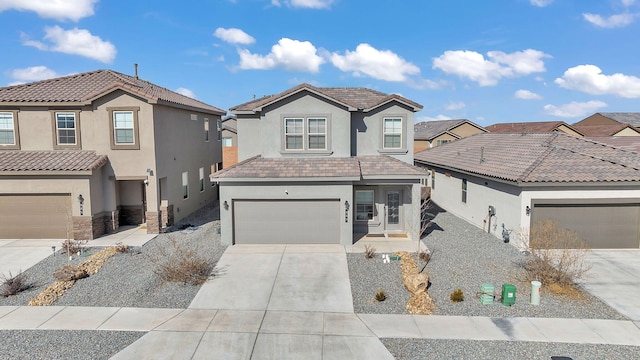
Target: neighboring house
{"x":229,"y":141}
{"x":631,"y":143}
{"x":428,"y":134}
{"x":534,"y":127}
{"x":586,"y":186}
{"x":610,"y":124}
{"x":320,"y":164}
{"x":84,"y":154}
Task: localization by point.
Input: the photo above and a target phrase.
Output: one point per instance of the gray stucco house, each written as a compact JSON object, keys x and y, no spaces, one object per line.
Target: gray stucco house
{"x":318,"y":165}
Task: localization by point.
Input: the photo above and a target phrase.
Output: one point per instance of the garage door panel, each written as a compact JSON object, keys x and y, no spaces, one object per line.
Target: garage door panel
{"x":602,"y":226}
{"x":286,"y":222}
{"x":35,"y":216}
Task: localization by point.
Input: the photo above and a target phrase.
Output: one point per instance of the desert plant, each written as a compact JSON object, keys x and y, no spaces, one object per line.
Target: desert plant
{"x":457,"y":295}
{"x":11,"y":285}
{"x":69,"y":273}
{"x":424,"y":256}
{"x":557,"y":256}
{"x":181,"y":262}
{"x":369,"y":251}
{"x":121,"y":248}
{"x":381,"y":295}
{"x":71,"y":246}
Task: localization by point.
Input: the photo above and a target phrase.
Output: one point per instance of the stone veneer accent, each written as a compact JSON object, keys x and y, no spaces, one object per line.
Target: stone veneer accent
{"x":111,"y":221}
{"x":166,"y":218}
{"x":153,"y":222}
{"x":83,"y":228}
{"x":130,"y":215}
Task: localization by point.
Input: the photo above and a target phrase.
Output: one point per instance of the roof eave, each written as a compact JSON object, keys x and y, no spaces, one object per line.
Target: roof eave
{"x":395,"y":177}
{"x":304,"y":88}
{"x":187,"y":107}
{"x":46,"y":172}
{"x":413,"y":107}
{"x":283,"y":179}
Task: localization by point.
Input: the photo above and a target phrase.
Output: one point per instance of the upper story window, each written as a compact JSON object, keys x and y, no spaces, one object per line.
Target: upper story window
{"x":185,"y":185}
{"x":124,"y":128}
{"x":306,"y":134}
{"x":206,"y":129}
{"x":219,"y":127}
{"x":201,"y":178}
{"x":9,"y":137}
{"x":464,"y":190}
{"x":66,"y":128}
{"x":392,"y":136}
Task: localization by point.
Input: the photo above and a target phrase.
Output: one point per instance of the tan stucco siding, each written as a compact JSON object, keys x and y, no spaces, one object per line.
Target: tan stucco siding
{"x":627,"y":132}
{"x":449,"y":137}
{"x":419,"y":145}
{"x":465,"y":130}
{"x":567,"y":130}
{"x":52,"y":185}
{"x":368,"y":130}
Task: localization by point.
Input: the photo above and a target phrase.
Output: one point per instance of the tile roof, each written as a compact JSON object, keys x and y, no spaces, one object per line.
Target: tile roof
{"x":535,"y":158}
{"x":428,"y":130}
{"x":356,"y":98}
{"x":83,"y":88}
{"x":601,"y":130}
{"x":25,"y":161}
{"x":528,"y":127}
{"x":631,"y":118}
{"x":353,"y":168}
{"x":629,"y":143}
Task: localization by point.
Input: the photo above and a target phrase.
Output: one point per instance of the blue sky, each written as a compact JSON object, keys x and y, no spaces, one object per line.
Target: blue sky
{"x":487,"y":61}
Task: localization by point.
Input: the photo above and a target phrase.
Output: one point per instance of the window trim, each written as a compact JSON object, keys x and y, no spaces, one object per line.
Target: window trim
{"x":464,"y":190}
{"x":357,"y":204}
{"x":16,"y":131}
{"x":384,"y":132}
{"x":309,"y":133}
{"x":56,"y":138}
{"x":403,"y":149}
{"x":305,"y":134}
{"x":185,"y":185}
{"x":136,"y":128}
{"x":300,"y":135}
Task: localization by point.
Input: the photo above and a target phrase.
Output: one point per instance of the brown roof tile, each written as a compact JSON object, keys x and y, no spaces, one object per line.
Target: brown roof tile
{"x":527,"y":127}
{"x":602,"y":130}
{"x":383,"y":165}
{"x":428,"y":130}
{"x":358,"y":98}
{"x":631,"y":118}
{"x":535,"y":158}
{"x":82,"y":88}
{"x":24,"y":161}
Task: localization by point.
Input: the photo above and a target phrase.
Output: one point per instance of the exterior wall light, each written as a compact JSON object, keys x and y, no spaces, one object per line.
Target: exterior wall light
{"x":527,"y":210}
{"x":226,"y":205}
{"x":81,"y":201}
{"x":346,"y":211}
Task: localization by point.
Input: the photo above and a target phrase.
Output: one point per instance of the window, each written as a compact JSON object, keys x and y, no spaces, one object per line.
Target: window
{"x":124,"y":128}
{"x":8,"y":138}
{"x":433,"y":179}
{"x":227,"y":141}
{"x":464,"y":190}
{"x":185,"y":185}
{"x":293,"y":134}
{"x":317,"y":133}
{"x":440,"y":142}
{"x":206,"y":129}
{"x":219,"y":127}
{"x":364,"y":205}
{"x":392,"y":133}
{"x":201,"y":176}
{"x":66,"y":128}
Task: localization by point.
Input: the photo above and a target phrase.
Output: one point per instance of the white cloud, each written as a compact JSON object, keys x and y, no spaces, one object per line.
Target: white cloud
{"x":526,"y":95}
{"x":541,"y":3}
{"x":488,"y":71}
{"x":186,"y":92}
{"x":574,"y":109}
{"x":429,"y":118}
{"x":292,"y":55}
{"x":628,"y":2}
{"x":310,"y":4}
{"x":75,"y":41}
{"x":33,"y":73}
{"x":613,"y":21}
{"x":52,"y":9}
{"x":455,"y":106}
{"x":591,"y":80}
{"x":234,"y":36}
{"x":378,"y":64}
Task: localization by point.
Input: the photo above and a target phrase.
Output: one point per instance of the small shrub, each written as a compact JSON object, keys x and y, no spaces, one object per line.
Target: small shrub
{"x":11,"y":285}
{"x":70,"y":273}
{"x":457,"y":295}
{"x":369,"y":251}
{"x":181,"y":262}
{"x":71,"y":246}
{"x":424,"y":256}
{"x":121,"y":248}
{"x":381,"y":295}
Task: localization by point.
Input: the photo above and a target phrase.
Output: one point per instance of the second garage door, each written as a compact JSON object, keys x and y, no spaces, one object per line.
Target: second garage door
{"x":35,"y":216}
{"x":602,"y":226}
{"x":286,"y":222}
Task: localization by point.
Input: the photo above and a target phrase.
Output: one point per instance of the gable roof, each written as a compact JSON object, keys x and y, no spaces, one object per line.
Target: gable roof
{"x":630,"y":118}
{"x":353,"y":99}
{"x":630,"y":143}
{"x":529,"y":127}
{"x":535,"y":159}
{"x":428,"y":130}
{"x":602,"y":130}
{"x":331,"y":168}
{"x":82,"y":89}
{"x":26,"y":162}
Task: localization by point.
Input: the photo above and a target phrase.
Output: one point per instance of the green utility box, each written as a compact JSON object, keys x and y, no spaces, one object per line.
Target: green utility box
{"x":508,"y":294}
{"x":486,"y":294}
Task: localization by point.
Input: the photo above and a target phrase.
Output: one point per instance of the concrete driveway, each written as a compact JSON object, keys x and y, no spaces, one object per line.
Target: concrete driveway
{"x":615,"y":279}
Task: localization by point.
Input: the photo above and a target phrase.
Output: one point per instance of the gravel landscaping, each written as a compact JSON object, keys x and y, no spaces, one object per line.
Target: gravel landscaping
{"x":409,"y":349}
{"x":127,"y":279}
{"x":465,"y":257}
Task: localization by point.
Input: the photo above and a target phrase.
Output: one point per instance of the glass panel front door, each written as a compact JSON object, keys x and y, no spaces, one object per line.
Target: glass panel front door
{"x":393,"y":210}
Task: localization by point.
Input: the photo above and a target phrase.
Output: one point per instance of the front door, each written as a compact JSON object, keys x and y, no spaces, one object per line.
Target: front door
{"x":393,"y":219}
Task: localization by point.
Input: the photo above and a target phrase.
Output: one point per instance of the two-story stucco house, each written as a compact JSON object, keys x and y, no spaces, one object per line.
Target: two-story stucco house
{"x":83,"y":154}
{"x":318,"y":165}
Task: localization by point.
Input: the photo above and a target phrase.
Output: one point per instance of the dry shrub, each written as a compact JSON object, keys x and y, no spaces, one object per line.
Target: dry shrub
{"x":424,"y":256}
{"x":369,"y":251}
{"x":180,"y":261}
{"x":11,"y":285}
{"x":70,"y":273}
{"x":557,"y":257}
{"x":381,"y":295}
{"x":457,"y":296}
{"x":71,"y":246}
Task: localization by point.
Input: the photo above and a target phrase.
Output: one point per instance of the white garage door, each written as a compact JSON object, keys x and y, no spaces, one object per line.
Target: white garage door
{"x":602,"y":226}
{"x":286,"y":222}
{"x":35,"y":216}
